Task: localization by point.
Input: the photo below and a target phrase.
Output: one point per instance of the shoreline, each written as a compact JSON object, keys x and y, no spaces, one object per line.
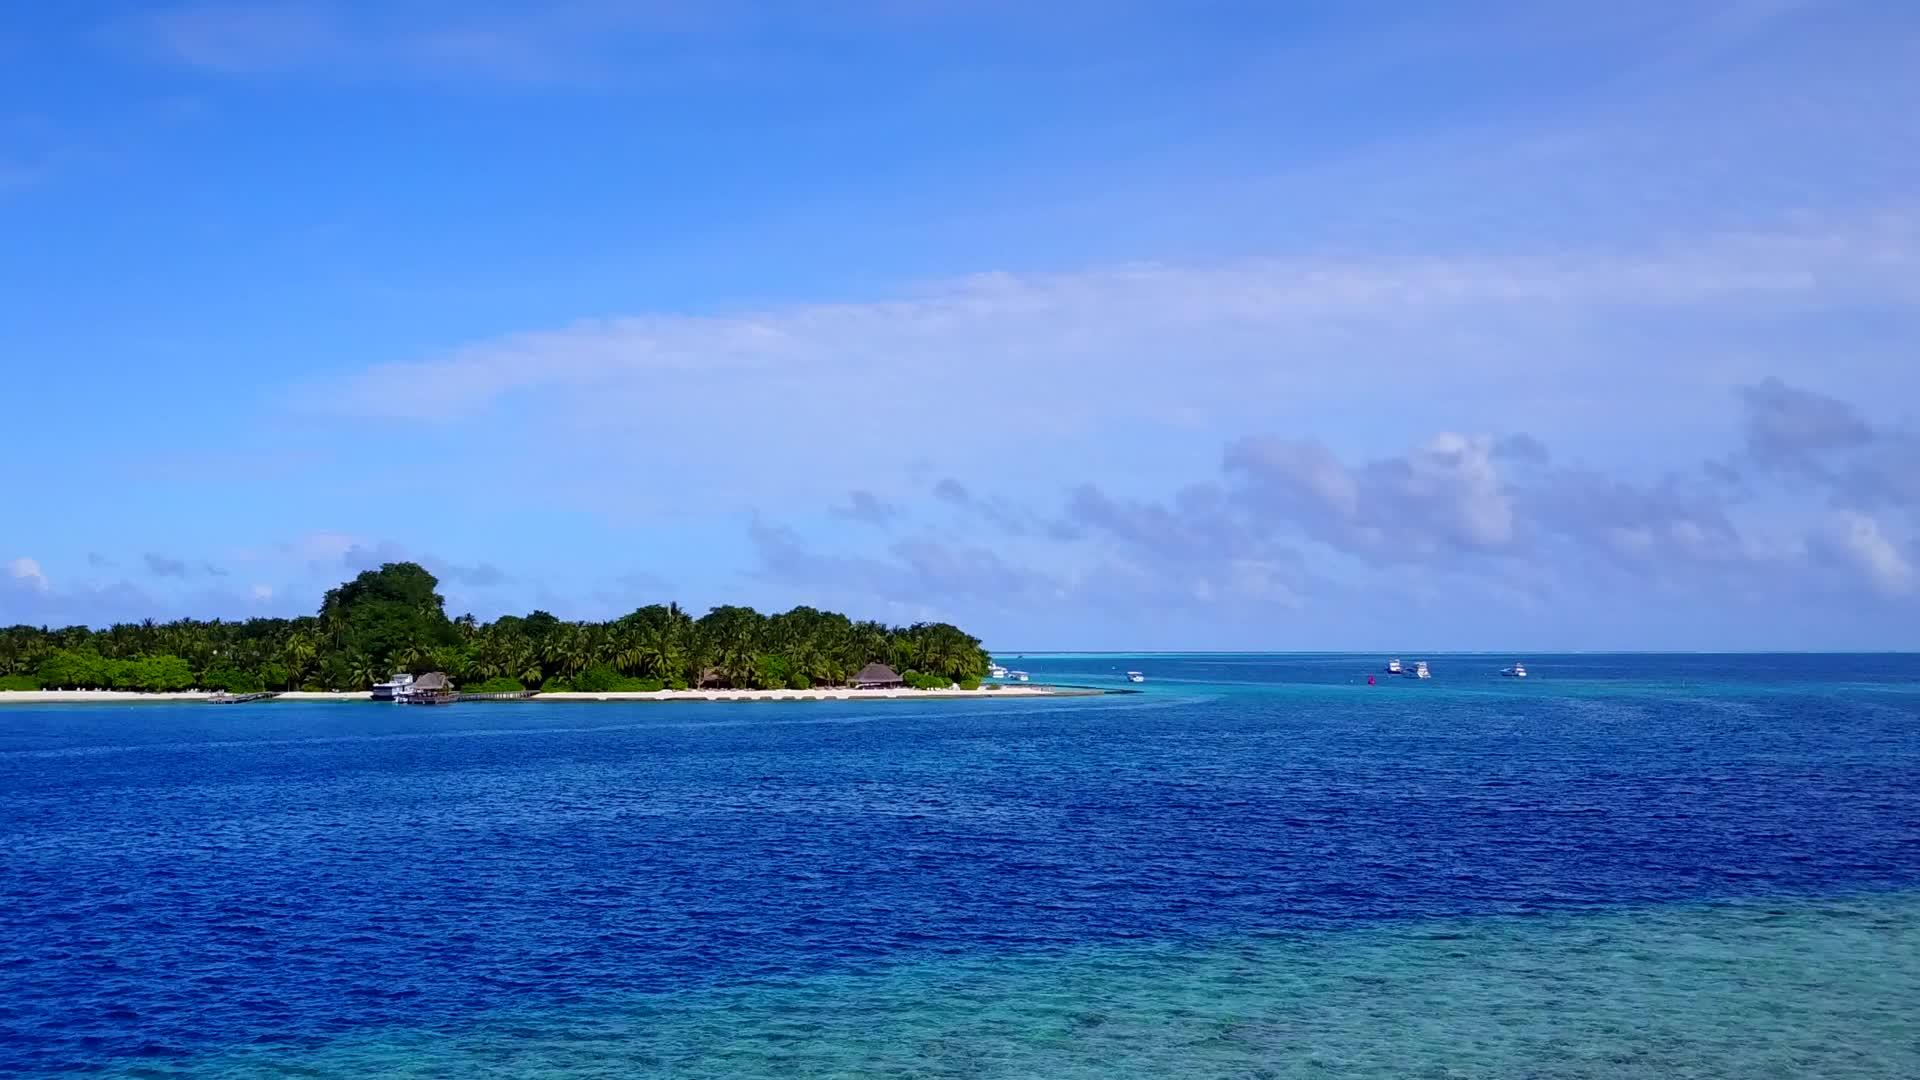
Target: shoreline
{"x":816,"y":694}
{"x":113,"y":697}
{"x":130,"y":697}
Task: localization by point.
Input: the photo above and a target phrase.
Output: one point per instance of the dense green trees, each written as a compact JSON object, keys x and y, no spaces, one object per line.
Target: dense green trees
{"x":393,"y":619}
{"x":86,"y":667}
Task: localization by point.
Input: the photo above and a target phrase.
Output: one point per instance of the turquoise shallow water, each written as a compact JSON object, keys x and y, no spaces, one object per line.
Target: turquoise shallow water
{"x":1258,"y":866}
{"x":1734,"y":990}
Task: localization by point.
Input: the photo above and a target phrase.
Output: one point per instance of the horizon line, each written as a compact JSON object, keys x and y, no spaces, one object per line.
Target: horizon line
{"x":1454,"y":652}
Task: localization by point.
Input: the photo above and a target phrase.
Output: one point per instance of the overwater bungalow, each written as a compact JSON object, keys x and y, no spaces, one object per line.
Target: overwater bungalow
{"x":433,"y":688}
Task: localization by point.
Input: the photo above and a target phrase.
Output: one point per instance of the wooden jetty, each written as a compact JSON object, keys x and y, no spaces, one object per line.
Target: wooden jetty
{"x":429,"y":697}
{"x":224,"y":698}
{"x":508,"y":695}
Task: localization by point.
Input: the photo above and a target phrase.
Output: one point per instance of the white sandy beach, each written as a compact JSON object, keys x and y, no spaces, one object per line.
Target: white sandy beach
{"x":107,"y":697}
{"x":325,"y":695}
{"x":820,"y":694}
{"x":104,"y":697}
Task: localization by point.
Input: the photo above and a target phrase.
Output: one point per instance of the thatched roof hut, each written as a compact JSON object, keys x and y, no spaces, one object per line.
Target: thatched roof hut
{"x":877,"y":676}
{"x":433,"y":681}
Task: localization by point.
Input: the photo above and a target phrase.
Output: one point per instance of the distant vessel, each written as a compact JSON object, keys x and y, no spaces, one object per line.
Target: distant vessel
{"x":1393,"y":667}
{"x":1419,"y":671}
{"x":996,"y":672}
{"x":1134,"y":676}
{"x":1017,"y":676}
{"x":1517,"y":671}
{"x":393,"y":689}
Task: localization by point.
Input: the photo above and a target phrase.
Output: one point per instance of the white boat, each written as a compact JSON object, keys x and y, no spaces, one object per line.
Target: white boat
{"x":1419,"y":671}
{"x":1393,"y":667}
{"x":1017,"y":676}
{"x":1517,"y":671}
{"x":393,"y":689}
{"x":995,"y":671}
{"x":1134,"y":676}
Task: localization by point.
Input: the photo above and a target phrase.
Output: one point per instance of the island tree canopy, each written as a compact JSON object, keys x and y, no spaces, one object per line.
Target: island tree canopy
{"x":394,"y":619}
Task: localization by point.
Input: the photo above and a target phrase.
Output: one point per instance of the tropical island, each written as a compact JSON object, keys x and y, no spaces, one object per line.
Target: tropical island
{"x":393,"y":620}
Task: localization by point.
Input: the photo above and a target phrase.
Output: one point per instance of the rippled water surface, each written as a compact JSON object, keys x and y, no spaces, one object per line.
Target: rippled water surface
{"x":1259,"y":866}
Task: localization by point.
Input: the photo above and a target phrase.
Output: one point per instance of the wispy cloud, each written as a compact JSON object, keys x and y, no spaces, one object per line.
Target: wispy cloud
{"x":866,"y":507}
{"x":29,"y":595}
{"x":239,"y":38}
{"x":1859,"y":544}
{"x":985,"y":372}
{"x":1129,"y":320}
{"x":997,"y":510}
{"x":164,"y":566}
{"x":1170,"y":346}
{"x":564,"y":43}
{"x":920,"y":576}
{"x":1493,"y":522}
{"x":371,"y":556}
{"x":1820,"y":440}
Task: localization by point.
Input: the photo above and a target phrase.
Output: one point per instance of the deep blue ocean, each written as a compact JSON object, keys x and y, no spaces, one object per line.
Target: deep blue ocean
{"x":1255,"y":866}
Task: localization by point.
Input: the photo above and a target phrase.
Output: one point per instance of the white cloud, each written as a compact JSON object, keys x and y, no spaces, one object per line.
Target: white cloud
{"x":317,"y":549}
{"x":27,"y":595}
{"x":1094,"y":372}
{"x":27,"y":572}
{"x":1445,"y":495}
{"x":1449,"y":534}
{"x":1857,"y":541}
{"x":1460,"y":471}
{"x":261,"y":592}
{"x":1160,"y":340}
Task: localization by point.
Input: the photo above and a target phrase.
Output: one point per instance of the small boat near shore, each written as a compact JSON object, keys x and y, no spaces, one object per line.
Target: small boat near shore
{"x":1393,"y":666}
{"x":1517,"y":671}
{"x":995,"y":671}
{"x":1419,"y":671}
{"x":1135,"y":676}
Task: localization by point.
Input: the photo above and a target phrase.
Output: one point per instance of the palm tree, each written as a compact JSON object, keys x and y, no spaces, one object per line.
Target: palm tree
{"x":362,"y":669}
{"x":334,"y":622}
{"x":450,"y":659}
{"x":413,"y":657}
{"x":555,"y":650}
{"x":297,"y":653}
{"x":525,"y":664}
{"x":573,"y":650}
{"x":641,"y":646}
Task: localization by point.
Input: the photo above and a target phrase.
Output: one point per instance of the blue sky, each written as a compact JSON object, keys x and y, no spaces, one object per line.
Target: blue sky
{"x":1085,"y":325}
